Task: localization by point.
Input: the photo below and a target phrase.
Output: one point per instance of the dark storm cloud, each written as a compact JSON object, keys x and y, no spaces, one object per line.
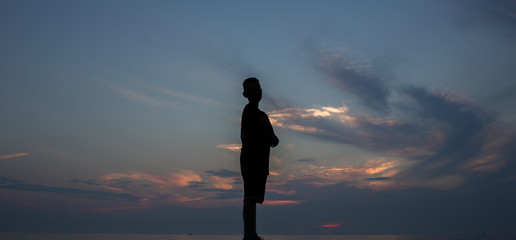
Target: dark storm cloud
{"x":17,"y":185}
{"x":346,"y":76}
{"x":464,"y":126}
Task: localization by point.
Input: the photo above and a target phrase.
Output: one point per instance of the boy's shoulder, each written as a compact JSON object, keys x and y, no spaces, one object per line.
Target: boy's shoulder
{"x":251,"y":110}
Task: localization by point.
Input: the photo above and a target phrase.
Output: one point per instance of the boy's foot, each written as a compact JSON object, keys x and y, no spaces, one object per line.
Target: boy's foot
{"x":255,"y":237}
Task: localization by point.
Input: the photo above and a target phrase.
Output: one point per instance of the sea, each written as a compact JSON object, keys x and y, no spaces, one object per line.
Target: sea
{"x":78,"y":236}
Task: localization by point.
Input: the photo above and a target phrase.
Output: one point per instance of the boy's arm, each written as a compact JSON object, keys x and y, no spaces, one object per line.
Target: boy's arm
{"x":272,"y":138}
{"x":262,"y":133}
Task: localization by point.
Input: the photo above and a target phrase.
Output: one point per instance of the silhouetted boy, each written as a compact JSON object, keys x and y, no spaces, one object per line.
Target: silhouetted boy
{"x":257,"y":137}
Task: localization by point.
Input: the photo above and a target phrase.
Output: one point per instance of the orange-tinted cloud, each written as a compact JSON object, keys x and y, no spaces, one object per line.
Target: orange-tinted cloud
{"x":13,"y":155}
{"x":155,"y":188}
{"x":230,"y":147}
{"x":374,"y":174}
{"x":181,"y":179}
{"x":222,"y":183}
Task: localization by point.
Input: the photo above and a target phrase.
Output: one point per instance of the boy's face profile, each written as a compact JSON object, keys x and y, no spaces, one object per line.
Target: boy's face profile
{"x":253,"y":92}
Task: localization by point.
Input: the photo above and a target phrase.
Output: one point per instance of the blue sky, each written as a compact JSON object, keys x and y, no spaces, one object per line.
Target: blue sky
{"x":124,"y":116}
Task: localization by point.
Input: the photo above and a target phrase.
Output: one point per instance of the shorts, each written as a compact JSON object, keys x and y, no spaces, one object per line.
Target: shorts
{"x":254,"y":188}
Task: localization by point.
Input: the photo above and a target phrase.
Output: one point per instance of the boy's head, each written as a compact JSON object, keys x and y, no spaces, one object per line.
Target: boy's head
{"x":252,"y":89}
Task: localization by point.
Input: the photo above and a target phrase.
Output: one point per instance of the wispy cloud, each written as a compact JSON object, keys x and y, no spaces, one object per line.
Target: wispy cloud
{"x":191,"y":97}
{"x":231,"y":147}
{"x":6,"y":183}
{"x":287,"y":117}
{"x":468,"y":131}
{"x":139,"y":97}
{"x":185,"y":187}
{"x":55,"y":152}
{"x":162,"y":182}
{"x":348,"y":77}
{"x":224,"y":173}
{"x":444,"y":135}
{"x":13,"y":155}
{"x":494,"y":14}
{"x":281,"y":202}
{"x":330,"y":225}
{"x":161,"y":95}
{"x":359,"y":176}
{"x":336,"y":124}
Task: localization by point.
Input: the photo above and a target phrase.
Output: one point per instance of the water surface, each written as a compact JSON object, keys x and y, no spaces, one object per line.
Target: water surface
{"x":76,"y":236}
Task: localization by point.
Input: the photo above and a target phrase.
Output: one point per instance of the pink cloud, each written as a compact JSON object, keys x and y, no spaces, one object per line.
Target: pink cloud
{"x":222,"y":183}
{"x":281,"y":202}
{"x":331,"y":225}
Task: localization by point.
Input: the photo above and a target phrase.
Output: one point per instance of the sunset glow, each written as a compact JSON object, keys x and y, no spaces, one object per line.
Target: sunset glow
{"x":123,"y":116}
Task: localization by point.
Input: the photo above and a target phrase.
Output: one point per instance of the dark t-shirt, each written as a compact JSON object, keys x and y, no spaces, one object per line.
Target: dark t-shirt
{"x":257,"y":136}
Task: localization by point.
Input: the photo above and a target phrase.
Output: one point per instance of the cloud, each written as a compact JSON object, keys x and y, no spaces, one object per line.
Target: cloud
{"x":307,"y":160}
{"x":378,"y":178}
{"x":443,"y":136}
{"x":330,"y":225}
{"x":190,"y":97}
{"x":6,"y":183}
{"x":281,"y":202}
{"x":231,"y":147}
{"x":336,"y":124}
{"x":357,"y":175}
{"x":499,"y":14}
{"x":348,"y":77}
{"x":363,"y":176}
{"x":88,"y":182}
{"x":139,"y":97}
{"x":185,"y":187}
{"x":54,"y":152}
{"x":224,"y":173}
{"x":13,"y":155}
{"x":466,"y":129}
{"x":224,"y":179}
{"x":181,"y":179}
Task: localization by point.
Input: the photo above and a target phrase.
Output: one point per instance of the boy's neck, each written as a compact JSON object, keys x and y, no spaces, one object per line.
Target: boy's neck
{"x":254,"y":104}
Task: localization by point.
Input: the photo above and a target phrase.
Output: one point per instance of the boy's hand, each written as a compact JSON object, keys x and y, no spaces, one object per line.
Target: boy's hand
{"x":275,"y":141}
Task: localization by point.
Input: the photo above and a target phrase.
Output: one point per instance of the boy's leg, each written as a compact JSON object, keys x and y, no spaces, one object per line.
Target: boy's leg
{"x":249,"y":213}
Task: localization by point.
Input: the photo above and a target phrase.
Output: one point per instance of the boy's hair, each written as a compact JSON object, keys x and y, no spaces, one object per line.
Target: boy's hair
{"x":249,"y":81}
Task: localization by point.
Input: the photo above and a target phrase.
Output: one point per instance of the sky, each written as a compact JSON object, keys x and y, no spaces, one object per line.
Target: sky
{"x":124,"y":116}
